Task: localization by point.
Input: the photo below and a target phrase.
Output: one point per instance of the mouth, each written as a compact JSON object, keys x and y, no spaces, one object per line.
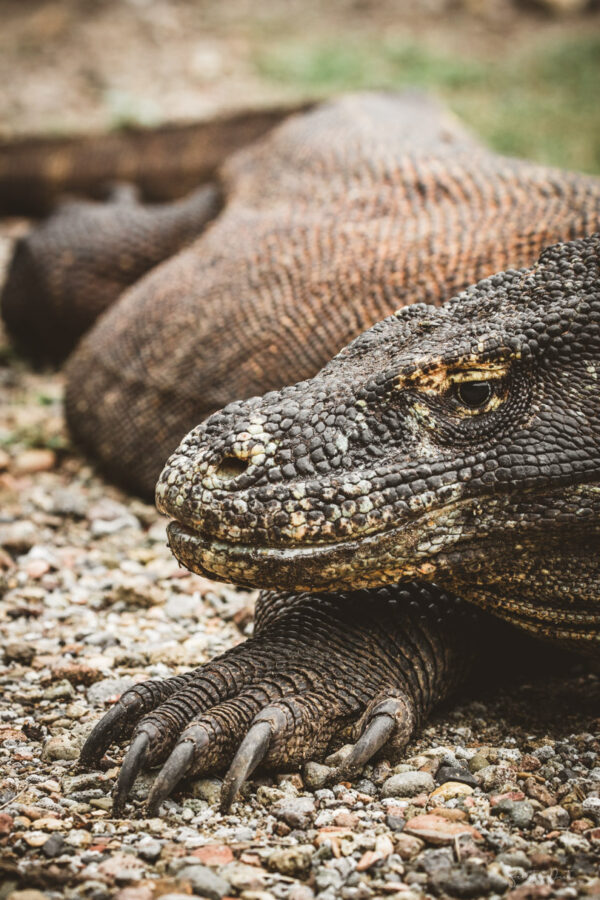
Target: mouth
{"x":369,"y":561}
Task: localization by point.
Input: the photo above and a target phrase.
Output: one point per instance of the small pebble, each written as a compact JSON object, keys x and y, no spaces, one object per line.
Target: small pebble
{"x":293,"y":861}
{"x":204,"y":881}
{"x":552,"y":818}
{"x":408,"y":784}
{"x":30,"y":462}
{"x":316,"y":775}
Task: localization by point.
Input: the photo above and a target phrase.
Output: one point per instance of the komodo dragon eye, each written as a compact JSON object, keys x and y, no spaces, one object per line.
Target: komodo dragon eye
{"x":474,"y":394}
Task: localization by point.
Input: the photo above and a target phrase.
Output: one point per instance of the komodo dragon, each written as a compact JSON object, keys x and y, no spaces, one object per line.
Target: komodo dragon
{"x":456,"y":446}
{"x":447,"y":452}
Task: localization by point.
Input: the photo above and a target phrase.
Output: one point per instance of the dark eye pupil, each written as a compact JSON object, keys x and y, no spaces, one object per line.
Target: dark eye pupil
{"x":474,"y":394}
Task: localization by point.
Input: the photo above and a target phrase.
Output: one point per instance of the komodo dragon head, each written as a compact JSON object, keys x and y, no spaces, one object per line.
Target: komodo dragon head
{"x":459,"y":445}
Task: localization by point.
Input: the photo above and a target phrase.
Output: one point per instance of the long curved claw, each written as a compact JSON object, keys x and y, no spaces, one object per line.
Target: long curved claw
{"x":104,"y":732}
{"x":251,"y":752}
{"x":171,"y":774}
{"x":133,"y":762}
{"x":376,"y":734}
{"x":389,"y":716}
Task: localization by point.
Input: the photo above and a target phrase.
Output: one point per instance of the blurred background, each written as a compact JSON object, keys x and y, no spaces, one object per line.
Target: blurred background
{"x":524,"y":75}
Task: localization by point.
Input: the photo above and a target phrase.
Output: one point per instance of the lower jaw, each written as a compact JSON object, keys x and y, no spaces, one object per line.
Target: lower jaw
{"x":370,"y":562}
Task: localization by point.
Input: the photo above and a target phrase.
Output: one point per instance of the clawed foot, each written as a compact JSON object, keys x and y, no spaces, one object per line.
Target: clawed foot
{"x":320,"y":670}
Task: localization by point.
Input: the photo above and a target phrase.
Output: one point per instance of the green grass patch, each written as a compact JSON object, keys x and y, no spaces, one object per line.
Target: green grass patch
{"x":540,"y":103}
{"x":35,"y":437}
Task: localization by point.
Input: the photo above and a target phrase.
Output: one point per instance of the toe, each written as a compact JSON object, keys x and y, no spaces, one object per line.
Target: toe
{"x":388,"y":722}
{"x":120,"y":720}
{"x":247,"y":733}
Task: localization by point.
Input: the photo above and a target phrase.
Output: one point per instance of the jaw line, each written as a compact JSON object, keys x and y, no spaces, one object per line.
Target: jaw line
{"x":327,"y":566}
{"x":406,"y":551}
{"x":178,"y":531}
{"x":193,"y":533}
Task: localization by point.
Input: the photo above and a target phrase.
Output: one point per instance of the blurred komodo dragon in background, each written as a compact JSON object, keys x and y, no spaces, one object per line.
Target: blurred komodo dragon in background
{"x":455,"y":446}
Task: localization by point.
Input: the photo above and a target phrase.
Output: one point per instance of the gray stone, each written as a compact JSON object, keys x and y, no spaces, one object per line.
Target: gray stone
{"x":108,"y":688}
{"x":455,"y":773}
{"x":296,"y":813}
{"x":366,"y":786}
{"x":520,"y":812}
{"x":408,"y":784}
{"x":328,"y":878}
{"x":316,"y":775}
{"x":552,"y":818}
{"x":574,"y":843}
{"x":301,"y":892}
{"x":241,"y":876}
{"x":591,"y":807}
{"x":544,"y":753}
{"x":54,"y":846}
{"x":62,"y":690}
{"x":515,"y":859}
{"x":204,"y":881}
{"x":61,"y":746}
{"x":149,"y":849}
{"x":88,"y":781}
{"x":465,"y":882}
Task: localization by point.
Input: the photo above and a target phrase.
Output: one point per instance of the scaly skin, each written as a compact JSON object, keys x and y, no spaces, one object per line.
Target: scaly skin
{"x":385,"y":467}
{"x":331,"y":222}
{"x":68,"y":271}
{"x":458,"y":445}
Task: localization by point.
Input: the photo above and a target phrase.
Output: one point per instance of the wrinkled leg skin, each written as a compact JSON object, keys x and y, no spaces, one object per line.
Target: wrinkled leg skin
{"x":320,"y":670}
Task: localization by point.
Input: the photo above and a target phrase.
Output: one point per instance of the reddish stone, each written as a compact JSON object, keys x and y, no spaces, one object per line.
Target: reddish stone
{"x":348,"y":819}
{"x":581,"y":825}
{"x":530,"y":892}
{"x":407,"y":845}
{"x":529,"y":763}
{"x":76,"y":673}
{"x":510,"y":795}
{"x":36,"y":568}
{"x":454,"y":815}
{"x":251,"y":859}
{"x":539,"y":792}
{"x":541,"y":860}
{"x":368,"y":859}
{"x":214,"y":854}
{"x":437,"y":830}
{"x":36,"y":460}
{"x":142,"y":891}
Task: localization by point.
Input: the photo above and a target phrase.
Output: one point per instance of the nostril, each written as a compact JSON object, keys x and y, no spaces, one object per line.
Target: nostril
{"x":230,"y":467}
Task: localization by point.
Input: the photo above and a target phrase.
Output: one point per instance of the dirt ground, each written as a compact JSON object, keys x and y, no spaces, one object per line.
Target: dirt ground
{"x":76,"y":65}
{"x":91,"y":600}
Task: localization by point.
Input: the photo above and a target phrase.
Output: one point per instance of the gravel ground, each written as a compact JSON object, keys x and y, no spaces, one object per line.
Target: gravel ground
{"x":500,"y":796}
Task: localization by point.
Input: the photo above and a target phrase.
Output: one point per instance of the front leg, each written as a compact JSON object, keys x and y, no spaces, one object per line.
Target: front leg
{"x":321,"y":669}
